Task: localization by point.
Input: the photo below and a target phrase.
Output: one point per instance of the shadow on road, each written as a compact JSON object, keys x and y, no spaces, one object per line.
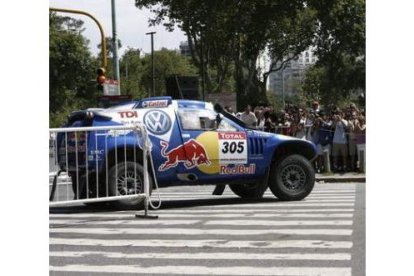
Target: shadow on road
{"x":167,"y":204}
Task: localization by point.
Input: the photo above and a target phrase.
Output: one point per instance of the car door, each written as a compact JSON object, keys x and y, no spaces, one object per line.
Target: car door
{"x":215,"y":149}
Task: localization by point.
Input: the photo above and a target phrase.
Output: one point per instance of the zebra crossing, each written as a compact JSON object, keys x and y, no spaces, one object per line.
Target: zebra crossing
{"x":201,"y":234}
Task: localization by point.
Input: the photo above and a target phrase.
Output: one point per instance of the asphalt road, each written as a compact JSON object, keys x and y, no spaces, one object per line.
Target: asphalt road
{"x":201,"y":234}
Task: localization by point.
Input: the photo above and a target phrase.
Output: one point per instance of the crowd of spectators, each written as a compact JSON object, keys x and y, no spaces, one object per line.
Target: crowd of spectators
{"x":340,"y":132}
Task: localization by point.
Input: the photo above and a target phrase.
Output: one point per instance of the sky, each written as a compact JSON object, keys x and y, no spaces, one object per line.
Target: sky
{"x":132,"y":24}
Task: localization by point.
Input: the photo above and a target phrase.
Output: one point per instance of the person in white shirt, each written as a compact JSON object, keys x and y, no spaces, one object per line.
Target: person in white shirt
{"x":248,"y":117}
{"x":340,"y":141}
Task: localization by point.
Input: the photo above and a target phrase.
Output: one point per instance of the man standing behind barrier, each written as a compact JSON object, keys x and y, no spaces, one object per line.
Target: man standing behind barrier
{"x":340,"y":141}
{"x":248,"y":117}
{"x":324,"y":139}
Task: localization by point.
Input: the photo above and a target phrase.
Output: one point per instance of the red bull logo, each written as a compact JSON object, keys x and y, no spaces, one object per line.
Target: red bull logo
{"x":191,"y":153}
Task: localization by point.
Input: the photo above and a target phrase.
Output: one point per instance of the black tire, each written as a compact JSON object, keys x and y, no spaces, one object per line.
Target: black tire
{"x":292,"y":178}
{"x":249,"y":190}
{"x":117,"y":174}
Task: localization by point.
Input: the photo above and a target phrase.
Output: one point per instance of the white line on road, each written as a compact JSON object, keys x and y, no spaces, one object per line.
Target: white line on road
{"x":199,"y":215}
{"x":203,"y":270}
{"x":278,"y":204}
{"x":203,"y":243}
{"x":278,"y":223}
{"x":210,"y":197}
{"x":211,"y":222}
{"x":118,"y":221}
{"x":195,"y":231}
{"x":206,"y":256}
{"x":198,"y":210}
{"x":312,"y":195}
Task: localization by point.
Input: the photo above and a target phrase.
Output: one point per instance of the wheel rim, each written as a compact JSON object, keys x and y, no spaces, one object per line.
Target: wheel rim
{"x":129,"y":183}
{"x":293,"y":177}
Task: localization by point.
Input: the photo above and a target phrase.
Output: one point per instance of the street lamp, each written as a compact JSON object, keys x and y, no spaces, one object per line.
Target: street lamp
{"x":115,"y":43}
{"x":152,"y":62}
{"x":283,"y":86}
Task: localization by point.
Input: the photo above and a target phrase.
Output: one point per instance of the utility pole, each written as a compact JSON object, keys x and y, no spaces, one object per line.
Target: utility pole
{"x":202,"y":67}
{"x":115,"y":44}
{"x":283,"y":86}
{"x":152,"y":62}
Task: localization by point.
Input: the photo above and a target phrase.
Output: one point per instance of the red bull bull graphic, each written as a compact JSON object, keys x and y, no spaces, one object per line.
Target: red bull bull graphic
{"x":191,"y":153}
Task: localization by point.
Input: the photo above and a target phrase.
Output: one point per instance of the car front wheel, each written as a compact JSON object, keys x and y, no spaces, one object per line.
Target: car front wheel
{"x":292,"y":178}
{"x":127,"y":178}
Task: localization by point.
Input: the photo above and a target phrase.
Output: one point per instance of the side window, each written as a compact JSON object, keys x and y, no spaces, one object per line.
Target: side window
{"x":196,"y":119}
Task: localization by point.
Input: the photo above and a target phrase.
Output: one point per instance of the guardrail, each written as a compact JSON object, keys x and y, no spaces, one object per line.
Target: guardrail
{"x":99,"y":164}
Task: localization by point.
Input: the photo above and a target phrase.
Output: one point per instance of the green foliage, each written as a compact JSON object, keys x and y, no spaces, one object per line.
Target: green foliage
{"x":139,"y":81}
{"x":340,"y":42}
{"x":232,"y":34}
{"x":71,"y":69}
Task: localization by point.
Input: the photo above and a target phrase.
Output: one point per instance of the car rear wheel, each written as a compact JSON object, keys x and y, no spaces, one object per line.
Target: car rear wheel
{"x":292,"y":178}
{"x":255,"y":190}
{"x":127,"y":178}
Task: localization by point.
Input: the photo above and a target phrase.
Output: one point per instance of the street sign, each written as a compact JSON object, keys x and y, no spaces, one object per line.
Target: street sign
{"x":111,"y":88}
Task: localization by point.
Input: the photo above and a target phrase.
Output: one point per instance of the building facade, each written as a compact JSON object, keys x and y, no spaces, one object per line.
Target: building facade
{"x":288,"y":81}
{"x":185,"y":49}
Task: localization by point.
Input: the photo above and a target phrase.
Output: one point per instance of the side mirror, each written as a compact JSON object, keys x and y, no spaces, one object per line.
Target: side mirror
{"x":218,"y":120}
{"x":218,"y":108}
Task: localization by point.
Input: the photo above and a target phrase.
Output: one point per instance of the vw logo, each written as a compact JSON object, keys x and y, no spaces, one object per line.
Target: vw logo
{"x":157,"y":122}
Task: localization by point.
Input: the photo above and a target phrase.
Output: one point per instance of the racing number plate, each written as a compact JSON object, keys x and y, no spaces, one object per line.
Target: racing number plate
{"x":232,"y":148}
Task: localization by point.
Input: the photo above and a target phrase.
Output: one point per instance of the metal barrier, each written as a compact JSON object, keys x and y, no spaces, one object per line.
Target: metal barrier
{"x":100,"y":164}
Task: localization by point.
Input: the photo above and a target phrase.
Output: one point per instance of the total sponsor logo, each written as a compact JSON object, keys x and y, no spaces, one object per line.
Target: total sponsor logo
{"x":232,"y":135}
{"x":238,"y":169}
{"x":191,"y":153}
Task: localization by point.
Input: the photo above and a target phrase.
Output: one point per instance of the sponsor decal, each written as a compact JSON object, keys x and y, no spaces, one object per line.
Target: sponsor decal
{"x":128,"y":114}
{"x":79,"y":148}
{"x":232,"y":135}
{"x":76,"y":136}
{"x":158,"y":122}
{"x":191,"y":153}
{"x":238,"y":169}
{"x":155,"y":104}
{"x":95,"y":155}
{"x":117,"y":133}
{"x":232,"y":147}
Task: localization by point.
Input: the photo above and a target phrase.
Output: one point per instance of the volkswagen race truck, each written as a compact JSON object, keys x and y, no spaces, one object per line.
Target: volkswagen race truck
{"x":193,"y":143}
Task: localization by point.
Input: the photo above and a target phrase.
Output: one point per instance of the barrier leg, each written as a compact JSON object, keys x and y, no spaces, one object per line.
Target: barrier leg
{"x":327,"y":162}
{"x":146,"y":187}
{"x":362,"y":160}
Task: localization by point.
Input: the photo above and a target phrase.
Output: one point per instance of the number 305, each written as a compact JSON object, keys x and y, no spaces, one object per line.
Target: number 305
{"x":232,"y":147}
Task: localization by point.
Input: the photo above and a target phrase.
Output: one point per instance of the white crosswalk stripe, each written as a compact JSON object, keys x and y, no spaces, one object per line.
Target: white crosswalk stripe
{"x":267,"y":237}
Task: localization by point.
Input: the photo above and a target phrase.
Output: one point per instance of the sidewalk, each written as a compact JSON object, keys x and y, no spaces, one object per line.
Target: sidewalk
{"x":340,"y":177}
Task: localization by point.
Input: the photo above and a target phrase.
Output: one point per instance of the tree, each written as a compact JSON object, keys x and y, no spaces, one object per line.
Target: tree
{"x":71,"y":69}
{"x":340,"y":47}
{"x":131,"y":69}
{"x":166,"y":63}
{"x":236,"y":33}
{"x":138,"y":81}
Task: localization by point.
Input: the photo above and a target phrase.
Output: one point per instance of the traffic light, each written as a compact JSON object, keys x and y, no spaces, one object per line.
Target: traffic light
{"x":101,"y":78}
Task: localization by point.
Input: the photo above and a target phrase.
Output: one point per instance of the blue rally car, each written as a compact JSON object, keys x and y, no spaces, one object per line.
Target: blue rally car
{"x":193,"y":143}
